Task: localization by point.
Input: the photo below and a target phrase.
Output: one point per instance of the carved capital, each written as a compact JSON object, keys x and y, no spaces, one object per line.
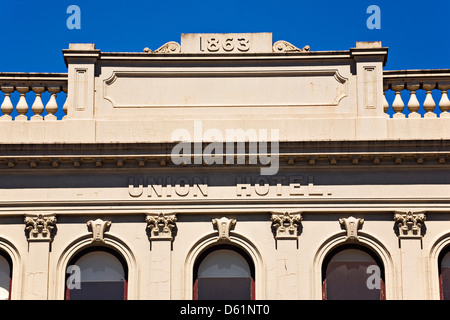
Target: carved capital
{"x":224,"y":226}
{"x":40,"y":227}
{"x":98,"y":228}
{"x":284,"y":46}
{"x":409,"y":223}
{"x":285,"y":224}
{"x":352,"y":225}
{"x":161,"y":226}
{"x":169,"y":47}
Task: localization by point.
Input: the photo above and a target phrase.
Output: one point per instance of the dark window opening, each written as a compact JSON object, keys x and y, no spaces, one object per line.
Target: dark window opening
{"x":224,"y":272}
{"x":5,"y":276}
{"x":103,"y":275}
{"x":444,"y":274}
{"x":352,"y":272}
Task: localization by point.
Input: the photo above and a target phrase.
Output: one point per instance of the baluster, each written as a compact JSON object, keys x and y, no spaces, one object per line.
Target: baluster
{"x":385,"y":102}
{"x":65,"y":105}
{"x":52,"y":106}
{"x":398,"y":103}
{"x":413,"y":103}
{"x":444,"y":103}
{"x":38,"y":106}
{"x":7,"y":106}
{"x":429,"y":103}
{"x":22,"y":105}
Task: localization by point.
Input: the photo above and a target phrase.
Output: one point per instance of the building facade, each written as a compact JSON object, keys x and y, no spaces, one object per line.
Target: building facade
{"x":225,"y":161}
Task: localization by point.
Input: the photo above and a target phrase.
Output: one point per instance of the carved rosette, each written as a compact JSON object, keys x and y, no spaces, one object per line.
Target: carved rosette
{"x":285,"y":225}
{"x":98,"y":228}
{"x":224,"y":225}
{"x":40,"y":227}
{"x":284,"y":46}
{"x":352,"y":225}
{"x":169,"y":47}
{"x":161,"y":226}
{"x":409,"y":224}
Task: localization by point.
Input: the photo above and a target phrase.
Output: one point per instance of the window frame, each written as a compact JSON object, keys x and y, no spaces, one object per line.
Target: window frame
{"x":344,"y":247}
{"x":9,"y":260}
{"x":91,"y":249}
{"x":442,"y":254}
{"x":213,"y":248}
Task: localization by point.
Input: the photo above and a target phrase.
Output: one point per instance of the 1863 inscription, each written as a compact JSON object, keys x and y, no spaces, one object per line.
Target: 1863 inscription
{"x":228,"y":44}
{"x":224,"y":43}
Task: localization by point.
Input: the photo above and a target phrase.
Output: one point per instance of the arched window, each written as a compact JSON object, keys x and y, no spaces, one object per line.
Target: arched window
{"x":444,"y":274}
{"x":97,"y":274}
{"x":5,"y":276}
{"x":352,"y":273}
{"x":224,"y":272}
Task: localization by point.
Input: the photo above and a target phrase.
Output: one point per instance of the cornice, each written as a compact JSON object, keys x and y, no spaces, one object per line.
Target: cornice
{"x":414,"y":153}
{"x":303,"y":55}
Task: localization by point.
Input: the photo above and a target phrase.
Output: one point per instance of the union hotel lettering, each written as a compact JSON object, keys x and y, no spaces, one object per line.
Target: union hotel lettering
{"x":245,"y":186}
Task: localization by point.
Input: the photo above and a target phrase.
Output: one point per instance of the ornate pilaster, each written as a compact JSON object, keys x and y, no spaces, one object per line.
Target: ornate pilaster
{"x":40,"y":230}
{"x":410,"y":231}
{"x":285,"y":224}
{"x":352,"y":225}
{"x":224,"y":226}
{"x":98,"y":228}
{"x":161,"y":226}
{"x":409,"y":224}
{"x":40,"y":227}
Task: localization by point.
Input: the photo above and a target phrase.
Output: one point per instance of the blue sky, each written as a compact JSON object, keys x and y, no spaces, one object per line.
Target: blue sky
{"x":34,"y":32}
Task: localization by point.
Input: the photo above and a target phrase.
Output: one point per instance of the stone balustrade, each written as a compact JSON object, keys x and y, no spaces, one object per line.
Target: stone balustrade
{"x":30,"y":88}
{"x":416,"y":93}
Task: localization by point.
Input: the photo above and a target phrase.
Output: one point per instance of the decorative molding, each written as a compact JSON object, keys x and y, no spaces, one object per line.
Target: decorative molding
{"x":98,"y":228}
{"x":169,"y":47}
{"x":161,"y":226}
{"x":408,"y":154}
{"x":352,"y":225}
{"x":40,"y":227}
{"x":63,"y":162}
{"x":285,"y":224}
{"x":149,"y":82}
{"x":284,"y":46}
{"x":224,"y":226}
{"x":409,"y":223}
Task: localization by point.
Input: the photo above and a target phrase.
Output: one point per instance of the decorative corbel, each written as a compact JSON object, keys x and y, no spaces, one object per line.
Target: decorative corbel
{"x":409,"y":223}
{"x":169,"y":47}
{"x":98,"y":228}
{"x":224,"y":226}
{"x":284,"y":46}
{"x":40,"y":227}
{"x":285,"y":224}
{"x":352,"y":225}
{"x":161,"y":226}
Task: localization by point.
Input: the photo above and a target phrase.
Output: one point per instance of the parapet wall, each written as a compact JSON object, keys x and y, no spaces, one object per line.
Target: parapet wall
{"x":224,"y":82}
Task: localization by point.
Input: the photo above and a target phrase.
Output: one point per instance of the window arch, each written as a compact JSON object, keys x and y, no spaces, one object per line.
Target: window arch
{"x":444,"y":273}
{"x":5,"y":276}
{"x":101,"y":272}
{"x":352,"y":272}
{"x":224,"y":272}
